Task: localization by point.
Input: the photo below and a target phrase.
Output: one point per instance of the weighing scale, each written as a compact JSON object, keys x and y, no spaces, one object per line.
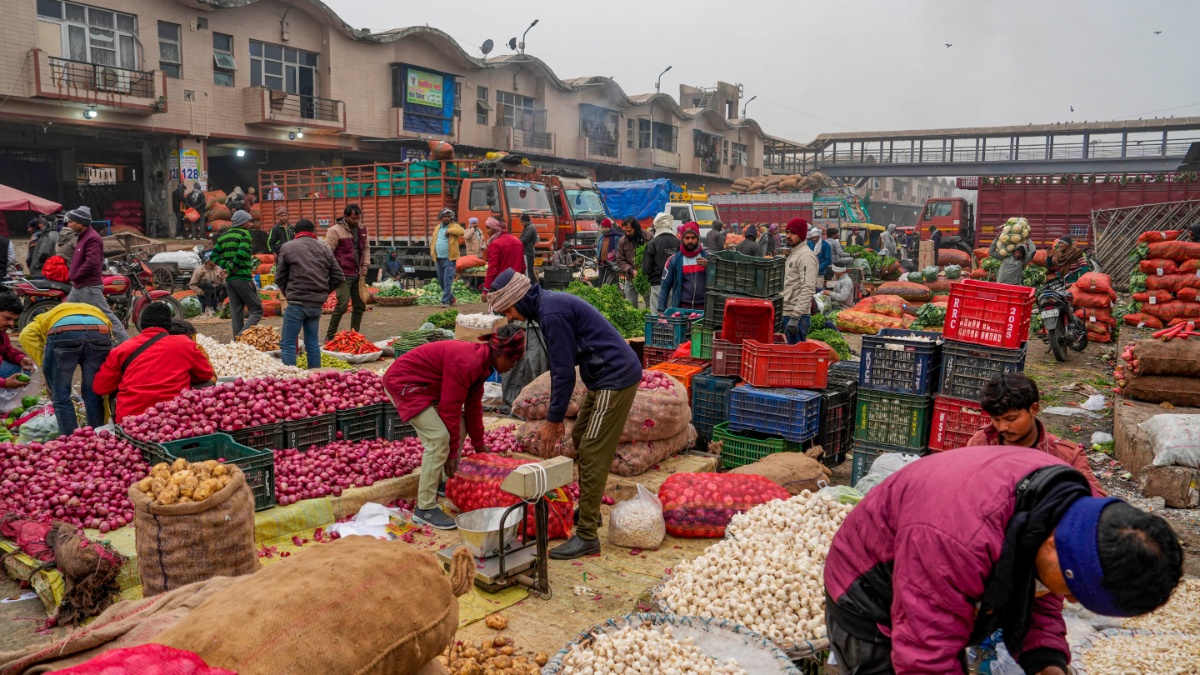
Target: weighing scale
{"x":525,"y":562}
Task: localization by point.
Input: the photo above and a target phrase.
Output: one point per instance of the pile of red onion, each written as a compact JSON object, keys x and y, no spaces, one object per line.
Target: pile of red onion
{"x":249,"y":403}
{"x":82,"y":479}
{"x":328,"y":469}
{"x":656,"y":379}
{"x":500,"y":439}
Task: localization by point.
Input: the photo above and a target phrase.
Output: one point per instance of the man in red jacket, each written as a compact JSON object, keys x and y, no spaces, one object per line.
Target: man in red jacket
{"x":504,"y":251}
{"x":438,"y":389}
{"x":14,"y":360}
{"x":152,"y":367}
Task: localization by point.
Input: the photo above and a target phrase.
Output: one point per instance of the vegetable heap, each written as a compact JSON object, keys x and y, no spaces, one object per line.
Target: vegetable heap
{"x":609,"y":301}
{"x":645,"y":649}
{"x":460,"y":290}
{"x":242,"y":360}
{"x":184,"y":482}
{"x":394,"y":291}
{"x":444,"y":319}
{"x":327,"y":361}
{"x":641,"y":283}
{"x":328,"y":469}
{"x":930,"y":315}
{"x":835,"y":341}
{"x":495,"y":655}
{"x":262,"y":337}
{"x":350,"y":342}
{"x":1013,"y":233}
{"x":410,"y":340}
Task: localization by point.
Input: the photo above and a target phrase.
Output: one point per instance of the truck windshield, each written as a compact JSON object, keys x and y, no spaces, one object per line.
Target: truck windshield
{"x":523,"y":196}
{"x":585,"y":203}
{"x":938,"y":210}
{"x":704,"y":213}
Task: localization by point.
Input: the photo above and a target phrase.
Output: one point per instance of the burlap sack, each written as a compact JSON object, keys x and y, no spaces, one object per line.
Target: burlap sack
{"x":657,"y":414}
{"x":632,"y":458}
{"x":89,"y":571}
{"x":359,"y":605}
{"x":527,"y":435}
{"x":1177,"y":357}
{"x":793,"y":471}
{"x":534,"y":400}
{"x":181,"y":544}
{"x":1174,"y":389}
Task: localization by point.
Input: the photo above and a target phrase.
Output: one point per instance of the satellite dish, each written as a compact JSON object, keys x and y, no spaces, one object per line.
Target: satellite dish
{"x":487,"y":47}
{"x":512,"y":43}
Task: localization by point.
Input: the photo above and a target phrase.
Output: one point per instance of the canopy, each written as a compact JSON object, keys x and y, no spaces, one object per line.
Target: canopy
{"x":638,"y":198}
{"x":12,"y":199}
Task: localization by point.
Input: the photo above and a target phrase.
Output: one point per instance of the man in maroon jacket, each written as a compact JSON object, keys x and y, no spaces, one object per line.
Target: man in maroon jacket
{"x":14,"y":360}
{"x":87,"y":269}
{"x":504,"y":251}
{"x":438,"y":389}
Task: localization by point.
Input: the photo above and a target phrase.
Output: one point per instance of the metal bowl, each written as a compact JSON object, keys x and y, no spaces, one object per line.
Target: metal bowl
{"x":479,"y":530}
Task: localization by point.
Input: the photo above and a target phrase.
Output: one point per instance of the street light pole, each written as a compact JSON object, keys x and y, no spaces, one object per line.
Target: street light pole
{"x":747,"y":105}
{"x":522,"y":45}
{"x":659,"y":80}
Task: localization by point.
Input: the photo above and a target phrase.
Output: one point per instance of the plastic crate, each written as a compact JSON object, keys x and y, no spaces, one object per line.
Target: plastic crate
{"x":258,"y":465}
{"x":803,"y":365}
{"x":393,"y":427}
{"x":836,"y":434}
{"x":262,"y":437}
{"x":748,"y":447}
{"x":714,"y":311}
{"x":556,"y":278}
{"x":152,"y":452}
{"x":304,"y":434}
{"x":794,"y":414}
{"x":727,"y":356}
{"x":701,"y":341}
{"x":892,"y":419}
{"x":669,"y":329}
{"x":848,"y":367}
{"x":683,"y":372}
{"x":954,"y":423}
{"x":989,"y":314}
{"x":360,"y":424}
{"x":897,"y":360}
{"x":652,"y":356}
{"x":750,"y":319}
{"x":734,"y":272}
{"x":967,"y":367}
{"x":710,"y":401}
{"x":866,"y":453}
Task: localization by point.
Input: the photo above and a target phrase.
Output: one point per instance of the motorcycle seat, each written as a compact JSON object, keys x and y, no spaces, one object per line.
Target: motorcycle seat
{"x":49,"y":285}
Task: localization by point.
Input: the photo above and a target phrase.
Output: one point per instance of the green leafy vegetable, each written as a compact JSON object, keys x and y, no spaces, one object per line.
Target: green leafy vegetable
{"x":835,"y":341}
{"x":609,"y":301}
{"x":1139,"y":252}
{"x":444,"y":319}
{"x":394,"y":291}
{"x":930,"y":315}
{"x":641,"y":283}
{"x":953,"y":271}
{"x":460,"y":290}
{"x":1033,"y":276}
{"x":1137,"y":281}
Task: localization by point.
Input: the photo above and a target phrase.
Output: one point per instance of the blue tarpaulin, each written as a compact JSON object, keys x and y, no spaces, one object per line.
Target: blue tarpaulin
{"x":638,"y":198}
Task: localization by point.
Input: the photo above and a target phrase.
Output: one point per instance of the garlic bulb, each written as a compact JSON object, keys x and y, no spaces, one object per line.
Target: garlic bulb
{"x":1179,"y":614}
{"x":1160,"y":654}
{"x":644,"y":649}
{"x":242,"y":360}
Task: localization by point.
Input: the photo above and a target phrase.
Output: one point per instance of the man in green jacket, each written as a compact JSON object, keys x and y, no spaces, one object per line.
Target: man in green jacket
{"x":232,"y":253}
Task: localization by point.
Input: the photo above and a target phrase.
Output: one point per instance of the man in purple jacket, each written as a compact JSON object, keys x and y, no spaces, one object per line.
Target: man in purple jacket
{"x":959,"y":544}
{"x":87,"y":268}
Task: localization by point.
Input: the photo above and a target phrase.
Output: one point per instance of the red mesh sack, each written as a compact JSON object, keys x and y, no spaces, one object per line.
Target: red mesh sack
{"x":147,"y":659}
{"x":1172,"y":282}
{"x":701,"y":504}
{"x":1093,"y":316}
{"x":1188,"y":294}
{"x":910,"y":291}
{"x":1084,"y":299}
{"x":1039,"y":258}
{"x":1157,"y":266}
{"x":1176,"y":322}
{"x":466,"y":262}
{"x":1100,"y":336}
{"x":1142,"y":320}
{"x":1155,"y":236}
{"x":1095,"y":282}
{"x":886,"y":305}
{"x":980,"y":254}
{"x":476,"y":485}
{"x":1189,"y":266}
{"x":1173,"y":310}
{"x":28,"y":535}
{"x":1175,"y":250}
{"x":1154,"y":297}
{"x":979,"y":273}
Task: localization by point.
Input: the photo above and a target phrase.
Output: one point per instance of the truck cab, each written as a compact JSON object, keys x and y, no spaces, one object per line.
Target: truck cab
{"x":954,"y":217}
{"x":689,"y":207}
{"x":507,"y":198}
{"x":580,"y":208}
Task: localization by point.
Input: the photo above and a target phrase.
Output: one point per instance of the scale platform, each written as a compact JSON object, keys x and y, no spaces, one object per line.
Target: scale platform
{"x":487,"y":577}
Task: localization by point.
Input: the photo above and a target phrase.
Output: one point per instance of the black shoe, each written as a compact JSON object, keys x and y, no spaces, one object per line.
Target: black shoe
{"x":575,"y":548}
{"x":435,"y":518}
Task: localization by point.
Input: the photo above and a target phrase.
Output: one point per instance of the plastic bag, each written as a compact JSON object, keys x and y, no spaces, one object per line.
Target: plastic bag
{"x":702,"y":504}
{"x":637,"y":522}
{"x":884,"y":465}
{"x":493,"y":395}
{"x":41,"y":427}
{"x":1175,"y":439}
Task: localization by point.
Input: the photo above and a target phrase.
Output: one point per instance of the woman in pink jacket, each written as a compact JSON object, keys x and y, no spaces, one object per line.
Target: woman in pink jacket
{"x":957,"y":545}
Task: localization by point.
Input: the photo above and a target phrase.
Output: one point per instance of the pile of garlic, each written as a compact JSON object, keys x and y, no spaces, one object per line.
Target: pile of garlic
{"x":1142,"y":654}
{"x":242,"y":360}
{"x":1178,"y":615}
{"x":644,"y":649}
{"x":767,"y":574}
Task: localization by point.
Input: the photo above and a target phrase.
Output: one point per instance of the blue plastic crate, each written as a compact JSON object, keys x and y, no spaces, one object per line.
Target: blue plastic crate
{"x":671,"y":328}
{"x":901,"y":361}
{"x":710,"y":401}
{"x":794,"y":414}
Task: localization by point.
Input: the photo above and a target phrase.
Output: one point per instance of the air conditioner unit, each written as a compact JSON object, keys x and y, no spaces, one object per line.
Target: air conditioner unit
{"x":112,"y":79}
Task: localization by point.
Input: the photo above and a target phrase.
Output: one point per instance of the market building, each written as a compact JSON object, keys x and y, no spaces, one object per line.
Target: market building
{"x":117,"y":100}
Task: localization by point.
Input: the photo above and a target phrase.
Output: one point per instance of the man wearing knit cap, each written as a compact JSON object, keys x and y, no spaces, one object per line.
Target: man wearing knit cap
{"x":577,"y":335}
{"x":799,"y":282}
{"x":87,"y":268}
{"x":749,"y":246}
{"x":684,"y":281}
{"x":504,"y":252}
{"x":232,"y":253}
{"x":656,"y":254}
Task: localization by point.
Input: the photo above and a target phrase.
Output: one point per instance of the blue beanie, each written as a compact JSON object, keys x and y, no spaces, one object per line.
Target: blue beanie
{"x":1077,"y":539}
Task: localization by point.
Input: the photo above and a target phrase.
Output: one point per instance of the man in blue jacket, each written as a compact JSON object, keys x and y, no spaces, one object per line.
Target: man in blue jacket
{"x":577,"y":335}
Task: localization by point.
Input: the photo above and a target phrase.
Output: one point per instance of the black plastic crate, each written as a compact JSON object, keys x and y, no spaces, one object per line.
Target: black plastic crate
{"x":866,"y":453}
{"x":714,"y":308}
{"x":556,"y":278}
{"x":360,"y":424}
{"x":258,"y":465}
{"x":734,"y":272}
{"x":305,"y":433}
{"x":967,"y":367}
{"x":836,"y":435}
{"x":848,"y":367}
{"x":262,"y":437}
{"x":901,"y":361}
{"x":393,"y":428}
{"x":710,"y":401}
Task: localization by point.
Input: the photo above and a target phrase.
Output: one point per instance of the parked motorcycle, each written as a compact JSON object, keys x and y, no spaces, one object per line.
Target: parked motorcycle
{"x":126,"y":289}
{"x":1063,"y":328}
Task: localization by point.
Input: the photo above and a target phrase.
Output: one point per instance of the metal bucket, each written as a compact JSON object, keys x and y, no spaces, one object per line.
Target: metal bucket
{"x":479,"y":530}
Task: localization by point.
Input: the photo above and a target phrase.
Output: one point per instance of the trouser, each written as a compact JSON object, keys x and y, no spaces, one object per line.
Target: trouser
{"x":596,"y":434}
{"x":805,"y":322}
{"x":296,"y":318}
{"x":856,"y":656}
{"x":94,"y":296}
{"x":243,"y":294}
{"x":654,"y":291}
{"x":180,"y":225}
{"x":445,"y":277}
{"x":65,"y":352}
{"x":211,"y":295}
{"x":631,"y":293}
{"x":530,"y":270}
{"x":347,"y":294}
{"x":435,"y":438}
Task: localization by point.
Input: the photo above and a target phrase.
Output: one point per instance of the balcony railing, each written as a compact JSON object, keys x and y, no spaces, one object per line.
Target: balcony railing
{"x":533,"y":140}
{"x":599,"y":150}
{"x":655,"y":158}
{"x":280,"y":108}
{"x":97,"y":84}
{"x":710,"y":167}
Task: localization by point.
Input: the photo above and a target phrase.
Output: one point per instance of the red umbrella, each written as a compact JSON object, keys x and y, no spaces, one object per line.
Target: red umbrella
{"x":12,"y":199}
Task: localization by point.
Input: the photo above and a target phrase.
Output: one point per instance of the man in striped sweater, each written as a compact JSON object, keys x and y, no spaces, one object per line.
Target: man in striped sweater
{"x":232,"y":253}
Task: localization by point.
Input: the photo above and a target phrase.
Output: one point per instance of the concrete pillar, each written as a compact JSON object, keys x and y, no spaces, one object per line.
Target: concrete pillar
{"x":156,"y":156}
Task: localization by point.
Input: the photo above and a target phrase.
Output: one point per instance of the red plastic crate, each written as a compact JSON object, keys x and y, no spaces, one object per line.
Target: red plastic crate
{"x":727,"y":356}
{"x":985,"y":313}
{"x":652,"y":356}
{"x":954,"y":423}
{"x":800,"y":366}
{"x":748,"y":319}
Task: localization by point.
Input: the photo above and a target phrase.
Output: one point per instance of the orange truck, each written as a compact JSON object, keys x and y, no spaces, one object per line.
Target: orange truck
{"x":401,"y":202}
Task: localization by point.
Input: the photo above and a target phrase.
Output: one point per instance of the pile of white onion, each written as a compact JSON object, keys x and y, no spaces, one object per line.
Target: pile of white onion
{"x":644,"y":649}
{"x":242,"y":360}
{"x":767,"y":573}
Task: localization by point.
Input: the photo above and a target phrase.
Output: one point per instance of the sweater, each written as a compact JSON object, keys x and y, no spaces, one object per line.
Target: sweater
{"x":503,"y":252}
{"x":657,"y":253}
{"x":33,"y":336}
{"x":799,"y":282}
{"x":88,"y":264}
{"x":529,"y":238}
{"x":749,"y":247}
{"x":684,"y":282}
{"x":306,"y":272}
{"x":233,"y":253}
{"x":160,"y":373}
{"x":448,"y":374}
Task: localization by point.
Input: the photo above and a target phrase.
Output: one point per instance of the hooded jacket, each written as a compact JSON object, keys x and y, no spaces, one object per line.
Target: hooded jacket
{"x":65,"y":247}
{"x":578,"y":335}
{"x":659,"y":251}
{"x":88,"y":264}
{"x":504,"y":252}
{"x":341,"y":240}
{"x":714,"y":240}
{"x":1011,"y":269}
{"x":684,"y":281}
{"x":887,"y":241}
{"x":167,"y":367}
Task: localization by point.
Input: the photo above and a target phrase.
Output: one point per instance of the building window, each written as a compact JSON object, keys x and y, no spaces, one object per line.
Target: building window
{"x":601,"y":127}
{"x":630,"y":134}
{"x":281,"y":68}
{"x":664,"y":137}
{"x":94,"y":35}
{"x":527,"y":121}
{"x":874,"y":183}
{"x":513,"y":108}
{"x":223,"y":64}
{"x":741,"y":154}
{"x":706,"y":148}
{"x":170,"y":51}
{"x":482,"y":107}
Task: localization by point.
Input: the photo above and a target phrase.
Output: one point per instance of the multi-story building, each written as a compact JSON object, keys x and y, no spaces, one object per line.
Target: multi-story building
{"x":121,"y":99}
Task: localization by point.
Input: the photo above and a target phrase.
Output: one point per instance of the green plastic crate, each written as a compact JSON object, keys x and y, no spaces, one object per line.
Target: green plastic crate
{"x":701,"y":341}
{"x":885,"y":418}
{"x":258,"y":465}
{"x":152,"y":452}
{"x":747,"y":447}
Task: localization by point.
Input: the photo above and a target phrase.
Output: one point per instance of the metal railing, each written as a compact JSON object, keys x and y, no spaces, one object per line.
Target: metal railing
{"x":1117,"y":230}
{"x":68,"y":74}
{"x":598,"y":148}
{"x":1006,"y":153}
{"x":538,"y":140}
{"x":306,"y":107}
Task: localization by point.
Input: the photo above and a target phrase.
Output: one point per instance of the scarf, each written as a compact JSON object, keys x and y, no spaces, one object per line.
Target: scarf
{"x":1063,"y":258}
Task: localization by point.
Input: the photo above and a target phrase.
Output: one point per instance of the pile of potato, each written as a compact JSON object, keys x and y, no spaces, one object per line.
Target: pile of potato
{"x":261,"y":337}
{"x":498,"y":656}
{"x":184,"y":482}
{"x":789,"y":183}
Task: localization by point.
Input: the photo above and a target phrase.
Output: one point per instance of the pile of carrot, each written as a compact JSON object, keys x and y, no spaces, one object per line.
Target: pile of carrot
{"x":350,"y":342}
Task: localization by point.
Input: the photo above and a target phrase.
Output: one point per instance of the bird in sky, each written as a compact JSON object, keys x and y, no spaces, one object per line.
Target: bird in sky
{"x":1072,"y":108}
{"x":1158,"y":32}
{"x":948,"y":45}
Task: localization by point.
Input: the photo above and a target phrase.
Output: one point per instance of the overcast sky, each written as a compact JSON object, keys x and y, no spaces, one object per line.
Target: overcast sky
{"x":857,"y":65}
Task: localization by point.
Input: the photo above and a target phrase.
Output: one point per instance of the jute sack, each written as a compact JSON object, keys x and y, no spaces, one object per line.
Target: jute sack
{"x":793,"y":471}
{"x":534,"y":400}
{"x":181,"y":544}
{"x":1177,"y":357}
{"x":1177,"y":390}
{"x":359,"y":605}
